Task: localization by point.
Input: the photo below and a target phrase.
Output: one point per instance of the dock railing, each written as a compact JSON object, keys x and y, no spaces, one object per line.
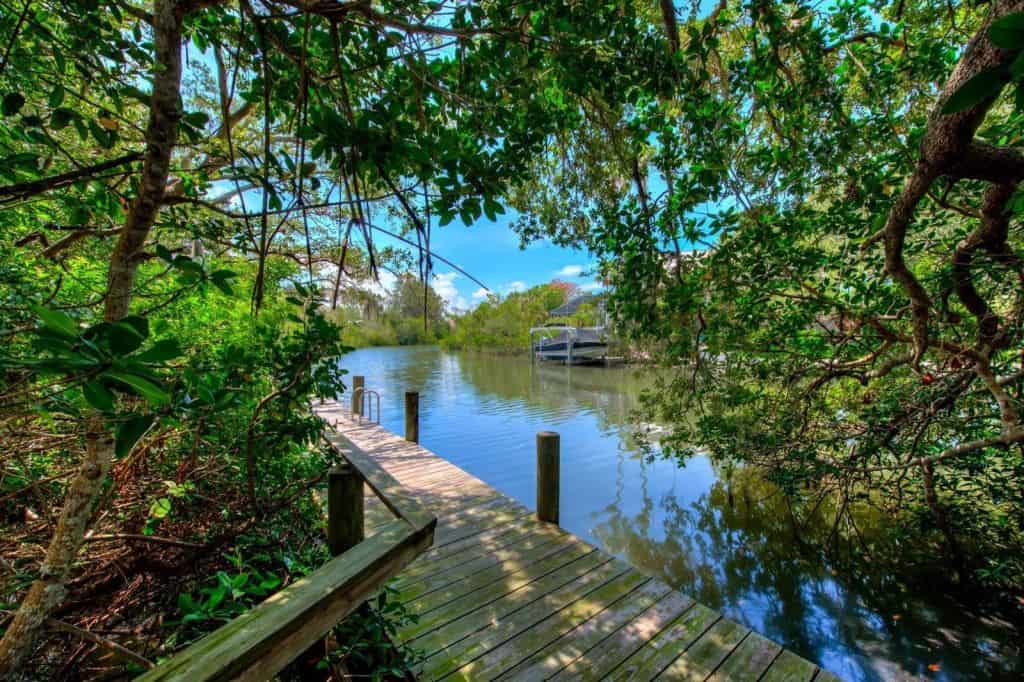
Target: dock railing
{"x":262,"y":641}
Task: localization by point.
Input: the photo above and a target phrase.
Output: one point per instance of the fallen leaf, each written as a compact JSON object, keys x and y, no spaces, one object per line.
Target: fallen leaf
{"x":108,"y":123}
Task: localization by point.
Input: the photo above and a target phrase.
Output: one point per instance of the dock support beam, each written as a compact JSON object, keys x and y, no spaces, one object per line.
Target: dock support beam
{"x":358,"y":383}
{"x":412,"y":416}
{"x":344,"y":508}
{"x":548,"y":476}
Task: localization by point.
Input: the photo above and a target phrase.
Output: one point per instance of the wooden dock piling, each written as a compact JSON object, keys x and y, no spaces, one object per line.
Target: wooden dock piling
{"x":358,"y":384}
{"x":548,"y":475}
{"x":412,"y":416}
{"x":344,"y":509}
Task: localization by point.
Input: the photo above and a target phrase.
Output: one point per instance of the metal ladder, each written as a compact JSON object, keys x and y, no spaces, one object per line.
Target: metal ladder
{"x":366,"y":396}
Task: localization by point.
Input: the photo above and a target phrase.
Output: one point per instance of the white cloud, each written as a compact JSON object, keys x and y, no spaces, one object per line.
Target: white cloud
{"x":591,"y":286}
{"x":386,"y":284}
{"x":571,"y":271}
{"x":480,"y":294}
{"x":512,"y":287}
{"x":444,"y":285}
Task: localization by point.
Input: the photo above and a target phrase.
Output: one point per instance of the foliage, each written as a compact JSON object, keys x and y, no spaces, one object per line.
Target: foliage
{"x":186,"y":186}
{"x":366,"y":639}
{"x":503,"y":323}
{"x":851,"y":319}
{"x":409,"y":315}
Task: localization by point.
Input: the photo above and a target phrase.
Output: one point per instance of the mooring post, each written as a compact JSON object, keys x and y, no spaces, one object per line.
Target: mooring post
{"x":358,"y":383}
{"x":412,"y":416}
{"x":548,"y":475}
{"x":344,"y":508}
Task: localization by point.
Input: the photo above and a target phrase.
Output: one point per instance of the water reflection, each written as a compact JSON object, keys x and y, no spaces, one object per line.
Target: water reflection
{"x":729,"y":541}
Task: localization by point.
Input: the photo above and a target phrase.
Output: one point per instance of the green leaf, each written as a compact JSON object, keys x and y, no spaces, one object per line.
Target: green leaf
{"x":56,"y":321}
{"x":216,"y":597}
{"x":160,"y":508}
{"x":56,"y":96}
{"x":197,"y":119}
{"x":222,"y":280}
{"x":1008,"y":32}
{"x":98,"y":395}
{"x":1017,"y":67}
{"x":270,"y":582}
{"x":139,"y":323}
{"x":12,"y":104}
{"x":162,"y":351}
{"x":130,"y":431}
{"x":982,"y":86}
{"x":124,"y":338}
{"x":143,"y":387}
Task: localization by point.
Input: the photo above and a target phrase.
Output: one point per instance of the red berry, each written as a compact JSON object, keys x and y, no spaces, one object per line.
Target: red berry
{"x":927,"y":379}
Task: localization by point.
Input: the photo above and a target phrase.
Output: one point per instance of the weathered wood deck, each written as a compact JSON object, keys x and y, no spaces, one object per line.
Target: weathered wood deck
{"x":502,"y":595}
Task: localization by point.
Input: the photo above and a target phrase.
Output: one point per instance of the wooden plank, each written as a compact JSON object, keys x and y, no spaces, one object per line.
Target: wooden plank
{"x":597,"y":663}
{"x":527,"y":566}
{"x":825,"y":676}
{"x":707,"y":653}
{"x":483,"y":570}
{"x":578,"y":641}
{"x":789,"y":667}
{"x":749,"y":661}
{"x":474,"y":557}
{"x":473,"y":523}
{"x":503,"y":629}
{"x":490,"y":615}
{"x":486,"y":537}
{"x":500,"y":659}
{"x":451,"y":538}
{"x":496,"y":589}
{"x":664,"y":647}
{"x":263,"y":640}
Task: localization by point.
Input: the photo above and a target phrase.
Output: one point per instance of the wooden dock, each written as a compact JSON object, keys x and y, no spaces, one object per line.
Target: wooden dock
{"x":501,"y":595}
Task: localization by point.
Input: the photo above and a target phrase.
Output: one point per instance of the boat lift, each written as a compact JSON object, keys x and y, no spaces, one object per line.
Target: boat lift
{"x":575,"y":349}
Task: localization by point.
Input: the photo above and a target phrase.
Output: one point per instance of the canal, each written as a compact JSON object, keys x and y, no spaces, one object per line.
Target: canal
{"x":727,"y":540}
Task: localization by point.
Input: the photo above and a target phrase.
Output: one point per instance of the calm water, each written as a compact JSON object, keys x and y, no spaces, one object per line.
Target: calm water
{"x":730,"y":545}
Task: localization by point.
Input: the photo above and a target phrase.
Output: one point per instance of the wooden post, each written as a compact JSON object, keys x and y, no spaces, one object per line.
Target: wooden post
{"x":358,"y":383}
{"x":412,"y":416}
{"x":344,"y":509}
{"x":548,"y":475}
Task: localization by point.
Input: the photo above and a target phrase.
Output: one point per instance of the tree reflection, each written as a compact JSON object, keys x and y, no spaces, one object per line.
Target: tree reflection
{"x":725,"y":536}
{"x":737,"y":549}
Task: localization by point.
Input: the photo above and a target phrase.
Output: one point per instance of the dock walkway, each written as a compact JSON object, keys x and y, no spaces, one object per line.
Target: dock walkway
{"x":501,"y":595}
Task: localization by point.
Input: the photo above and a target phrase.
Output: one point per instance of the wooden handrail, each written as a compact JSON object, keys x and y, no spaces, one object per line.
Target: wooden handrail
{"x":381,"y":482}
{"x":263,"y":640}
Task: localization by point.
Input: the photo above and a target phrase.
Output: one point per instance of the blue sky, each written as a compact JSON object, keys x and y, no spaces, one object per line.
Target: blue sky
{"x":490,"y":252}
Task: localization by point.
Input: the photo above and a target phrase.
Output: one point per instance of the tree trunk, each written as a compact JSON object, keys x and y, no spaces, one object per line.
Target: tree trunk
{"x":48,"y":590}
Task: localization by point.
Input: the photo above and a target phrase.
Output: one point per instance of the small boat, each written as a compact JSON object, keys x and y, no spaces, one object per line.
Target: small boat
{"x":571,"y":345}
